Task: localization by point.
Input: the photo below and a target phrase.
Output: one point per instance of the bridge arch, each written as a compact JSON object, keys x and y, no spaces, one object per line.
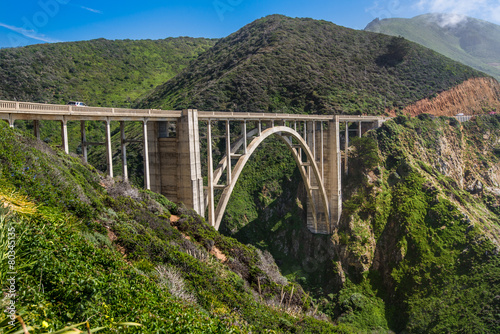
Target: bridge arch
{"x":284,"y":133}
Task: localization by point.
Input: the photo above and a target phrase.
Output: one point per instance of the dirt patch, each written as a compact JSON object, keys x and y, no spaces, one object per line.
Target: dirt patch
{"x":468,"y":98}
{"x":174,"y":219}
{"x":112,"y":236}
{"x":218,"y":254}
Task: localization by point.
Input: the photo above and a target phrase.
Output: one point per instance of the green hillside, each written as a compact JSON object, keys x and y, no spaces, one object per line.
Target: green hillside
{"x":472,"y":42}
{"x":88,"y":249}
{"x":282,"y":64}
{"x":98,"y":72}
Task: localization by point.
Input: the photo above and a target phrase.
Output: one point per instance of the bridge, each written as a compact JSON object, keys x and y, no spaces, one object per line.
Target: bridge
{"x":172,"y":155}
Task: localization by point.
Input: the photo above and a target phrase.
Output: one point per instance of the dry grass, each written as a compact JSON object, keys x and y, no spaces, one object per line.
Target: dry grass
{"x":171,"y":279}
{"x":17,"y":203}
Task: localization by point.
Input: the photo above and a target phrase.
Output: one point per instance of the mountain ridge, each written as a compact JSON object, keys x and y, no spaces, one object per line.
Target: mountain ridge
{"x":471,"y":41}
{"x":282,"y":64}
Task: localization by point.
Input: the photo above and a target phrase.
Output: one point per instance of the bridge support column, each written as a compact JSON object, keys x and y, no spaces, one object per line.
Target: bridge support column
{"x":191,"y":182}
{"x":64,"y":135}
{"x":332,"y":179}
{"x":84,"y":141}
{"x":109,"y":153}
{"x":210,"y":197}
{"x":36,"y":129}
{"x":175,"y":162}
{"x":346,"y":148}
{"x":123,"y":145}
{"x":147,"y":181}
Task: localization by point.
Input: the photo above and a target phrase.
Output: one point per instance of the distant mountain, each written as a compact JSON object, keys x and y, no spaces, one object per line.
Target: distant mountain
{"x":282,"y":64}
{"x":99,"y":72}
{"x":471,"y":41}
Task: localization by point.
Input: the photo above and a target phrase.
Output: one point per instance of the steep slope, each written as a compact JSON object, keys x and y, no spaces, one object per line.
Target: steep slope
{"x":99,"y":72}
{"x":91,"y":250}
{"x":470,"y":41}
{"x":422,"y":225}
{"x":472,"y":97}
{"x":284,"y":64}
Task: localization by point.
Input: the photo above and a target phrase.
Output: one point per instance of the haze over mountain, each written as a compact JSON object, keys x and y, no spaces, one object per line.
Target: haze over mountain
{"x":282,"y":64}
{"x":465,"y":39}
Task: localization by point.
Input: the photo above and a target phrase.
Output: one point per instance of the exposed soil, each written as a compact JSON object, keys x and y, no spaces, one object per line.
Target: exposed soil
{"x":472,"y":97}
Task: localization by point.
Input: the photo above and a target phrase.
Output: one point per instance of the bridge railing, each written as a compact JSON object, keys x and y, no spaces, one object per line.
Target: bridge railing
{"x":29,"y":107}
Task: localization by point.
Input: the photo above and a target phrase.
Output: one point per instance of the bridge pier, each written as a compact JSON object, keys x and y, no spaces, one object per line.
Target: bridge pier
{"x":64,"y":135}
{"x":175,"y":163}
{"x":109,"y":153}
{"x":36,"y":129}
{"x":83,"y":135}
{"x":123,"y":146}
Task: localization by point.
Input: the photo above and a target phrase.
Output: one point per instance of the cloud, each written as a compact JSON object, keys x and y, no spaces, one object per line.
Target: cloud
{"x":29,"y":33}
{"x":92,"y":10}
{"x":488,"y":10}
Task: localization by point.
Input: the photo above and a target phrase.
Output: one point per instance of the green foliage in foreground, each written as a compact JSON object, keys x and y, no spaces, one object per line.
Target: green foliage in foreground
{"x":106,"y":253}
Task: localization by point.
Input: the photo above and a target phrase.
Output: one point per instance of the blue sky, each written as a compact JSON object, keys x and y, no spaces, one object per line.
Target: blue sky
{"x":24,"y":22}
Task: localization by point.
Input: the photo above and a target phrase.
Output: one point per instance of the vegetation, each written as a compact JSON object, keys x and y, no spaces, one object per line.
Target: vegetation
{"x":92,"y":250}
{"x":98,"y":72}
{"x":471,"y":41}
{"x":432,"y":238}
{"x":281,"y":64}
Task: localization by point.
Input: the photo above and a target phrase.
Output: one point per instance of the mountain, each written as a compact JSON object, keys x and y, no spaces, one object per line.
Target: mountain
{"x":468,"y":40}
{"x":282,"y":64}
{"x":99,"y":72}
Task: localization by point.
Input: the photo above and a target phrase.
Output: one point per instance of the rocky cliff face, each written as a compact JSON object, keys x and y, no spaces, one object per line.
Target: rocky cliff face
{"x":472,"y":97}
{"x":428,"y":216}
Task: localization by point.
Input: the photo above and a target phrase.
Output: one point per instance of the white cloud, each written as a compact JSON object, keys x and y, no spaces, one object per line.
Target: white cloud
{"x":91,"y":10}
{"x":29,"y":33}
{"x":488,"y":10}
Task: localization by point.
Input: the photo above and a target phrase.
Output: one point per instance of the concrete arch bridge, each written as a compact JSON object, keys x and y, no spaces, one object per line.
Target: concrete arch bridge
{"x":173,"y":166}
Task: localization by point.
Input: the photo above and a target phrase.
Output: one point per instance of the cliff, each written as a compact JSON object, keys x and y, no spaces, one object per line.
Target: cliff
{"x":472,"y":97}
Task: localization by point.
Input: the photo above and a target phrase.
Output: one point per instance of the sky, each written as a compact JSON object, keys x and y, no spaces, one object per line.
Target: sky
{"x":24,"y":22}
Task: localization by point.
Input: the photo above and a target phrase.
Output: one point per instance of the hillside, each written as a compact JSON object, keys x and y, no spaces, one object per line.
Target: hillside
{"x":282,"y":64}
{"x":471,"y":41}
{"x":88,"y":249}
{"x":98,"y":72}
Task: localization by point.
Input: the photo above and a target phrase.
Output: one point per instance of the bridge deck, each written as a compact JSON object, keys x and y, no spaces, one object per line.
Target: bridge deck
{"x":29,"y":111}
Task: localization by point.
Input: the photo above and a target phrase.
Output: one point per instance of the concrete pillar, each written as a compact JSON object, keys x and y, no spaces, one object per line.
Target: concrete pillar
{"x":359,"y":130}
{"x":147,"y":181}
{"x":322,"y":161}
{"x":332,"y":172}
{"x":190,"y":183}
{"x":244,"y":134}
{"x":109,"y":153}
{"x":124,"y":152}
{"x":157,"y":170}
{"x":64,"y":135}
{"x":228,"y":153}
{"x":211,"y":205}
{"x":36,"y":129}
{"x":83,"y":141}
{"x":11,"y":121}
{"x":346,"y":147}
